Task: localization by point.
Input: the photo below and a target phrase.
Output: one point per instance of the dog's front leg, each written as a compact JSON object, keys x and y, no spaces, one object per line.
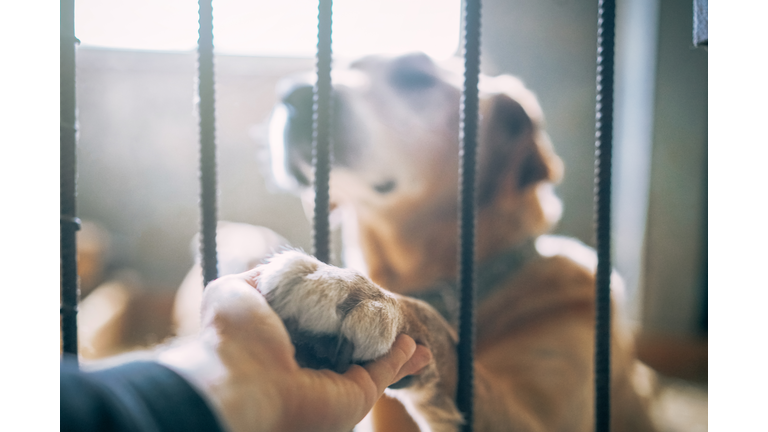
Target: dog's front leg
{"x":429,"y":396}
{"x":336,"y":317}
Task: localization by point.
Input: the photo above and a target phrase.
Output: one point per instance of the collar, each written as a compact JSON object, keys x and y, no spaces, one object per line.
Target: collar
{"x":444,"y":295}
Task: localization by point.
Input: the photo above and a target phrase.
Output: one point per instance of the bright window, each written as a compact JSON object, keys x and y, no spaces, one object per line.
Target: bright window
{"x":273,"y":28}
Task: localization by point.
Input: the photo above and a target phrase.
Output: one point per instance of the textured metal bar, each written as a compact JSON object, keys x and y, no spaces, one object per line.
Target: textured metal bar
{"x":467,"y":212}
{"x":321,"y":134}
{"x":67,"y":180}
{"x":603,"y":153}
{"x":700,"y":23}
{"x":207,"y":144}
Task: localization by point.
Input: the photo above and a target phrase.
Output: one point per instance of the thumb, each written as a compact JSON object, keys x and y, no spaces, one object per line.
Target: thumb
{"x":404,"y":358}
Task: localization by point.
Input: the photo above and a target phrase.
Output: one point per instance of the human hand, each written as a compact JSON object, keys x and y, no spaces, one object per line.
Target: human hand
{"x":243,"y":361}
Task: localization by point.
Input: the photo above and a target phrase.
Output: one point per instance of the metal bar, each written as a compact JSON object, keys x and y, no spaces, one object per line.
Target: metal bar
{"x":467,"y":212}
{"x":321,"y":134}
{"x":603,"y":153}
{"x":700,"y":23}
{"x":207,"y":144}
{"x":69,"y":224}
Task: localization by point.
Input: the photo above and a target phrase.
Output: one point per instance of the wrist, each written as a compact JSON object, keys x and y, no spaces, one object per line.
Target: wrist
{"x":236,"y":395}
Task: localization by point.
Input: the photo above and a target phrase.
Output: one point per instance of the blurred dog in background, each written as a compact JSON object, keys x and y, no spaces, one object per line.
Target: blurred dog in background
{"x":394,"y":187}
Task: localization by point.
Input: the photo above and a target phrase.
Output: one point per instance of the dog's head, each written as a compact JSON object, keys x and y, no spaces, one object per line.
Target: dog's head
{"x":396,"y":140}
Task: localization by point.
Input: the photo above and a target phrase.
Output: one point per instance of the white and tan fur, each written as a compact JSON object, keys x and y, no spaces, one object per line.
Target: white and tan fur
{"x":301,"y":288}
{"x":395,"y":183}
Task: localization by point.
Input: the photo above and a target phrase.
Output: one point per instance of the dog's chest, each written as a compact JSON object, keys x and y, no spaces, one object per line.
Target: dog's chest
{"x":444,"y":296}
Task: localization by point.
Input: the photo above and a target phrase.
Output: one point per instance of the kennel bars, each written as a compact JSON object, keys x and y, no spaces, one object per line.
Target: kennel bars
{"x":467,"y":213}
{"x":606,"y":24}
{"x":68,"y":222}
{"x":321,"y":133}
{"x":322,"y":158}
{"x":207,"y":112}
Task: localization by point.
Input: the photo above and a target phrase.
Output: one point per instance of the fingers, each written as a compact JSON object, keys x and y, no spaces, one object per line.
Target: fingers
{"x":405,"y":358}
{"x":368,"y":382}
{"x":235,"y":310}
{"x":251,"y":276}
{"x":420,"y":359}
{"x":234,"y":297}
{"x":353,"y":394}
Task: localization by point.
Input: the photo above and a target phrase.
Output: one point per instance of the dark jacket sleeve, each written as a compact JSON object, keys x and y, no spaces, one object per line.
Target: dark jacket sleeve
{"x":138,"y":396}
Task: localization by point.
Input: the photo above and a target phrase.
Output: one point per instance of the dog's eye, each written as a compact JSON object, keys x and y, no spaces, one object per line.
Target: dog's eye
{"x":411,"y":79}
{"x":385,"y":187}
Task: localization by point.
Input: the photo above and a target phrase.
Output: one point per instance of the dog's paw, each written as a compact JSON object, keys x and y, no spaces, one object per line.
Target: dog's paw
{"x":335,"y":316}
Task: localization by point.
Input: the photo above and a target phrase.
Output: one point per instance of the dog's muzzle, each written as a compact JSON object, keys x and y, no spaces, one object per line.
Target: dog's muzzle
{"x":290,"y":136}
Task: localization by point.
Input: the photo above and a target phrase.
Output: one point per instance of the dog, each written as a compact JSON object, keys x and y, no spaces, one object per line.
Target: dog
{"x":394,"y":184}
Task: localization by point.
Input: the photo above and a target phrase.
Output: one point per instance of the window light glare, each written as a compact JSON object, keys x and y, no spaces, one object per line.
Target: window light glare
{"x":285,"y":28}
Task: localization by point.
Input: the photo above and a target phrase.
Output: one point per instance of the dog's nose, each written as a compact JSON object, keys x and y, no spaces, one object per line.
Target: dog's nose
{"x":291,"y":133}
{"x":298,"y":128}
{"x":290,"y":137}
{"x":299,"y":96}
{"x":413,"y":72}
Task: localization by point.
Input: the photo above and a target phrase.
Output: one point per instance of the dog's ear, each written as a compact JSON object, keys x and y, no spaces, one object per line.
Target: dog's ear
{"x":514,"y":147}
